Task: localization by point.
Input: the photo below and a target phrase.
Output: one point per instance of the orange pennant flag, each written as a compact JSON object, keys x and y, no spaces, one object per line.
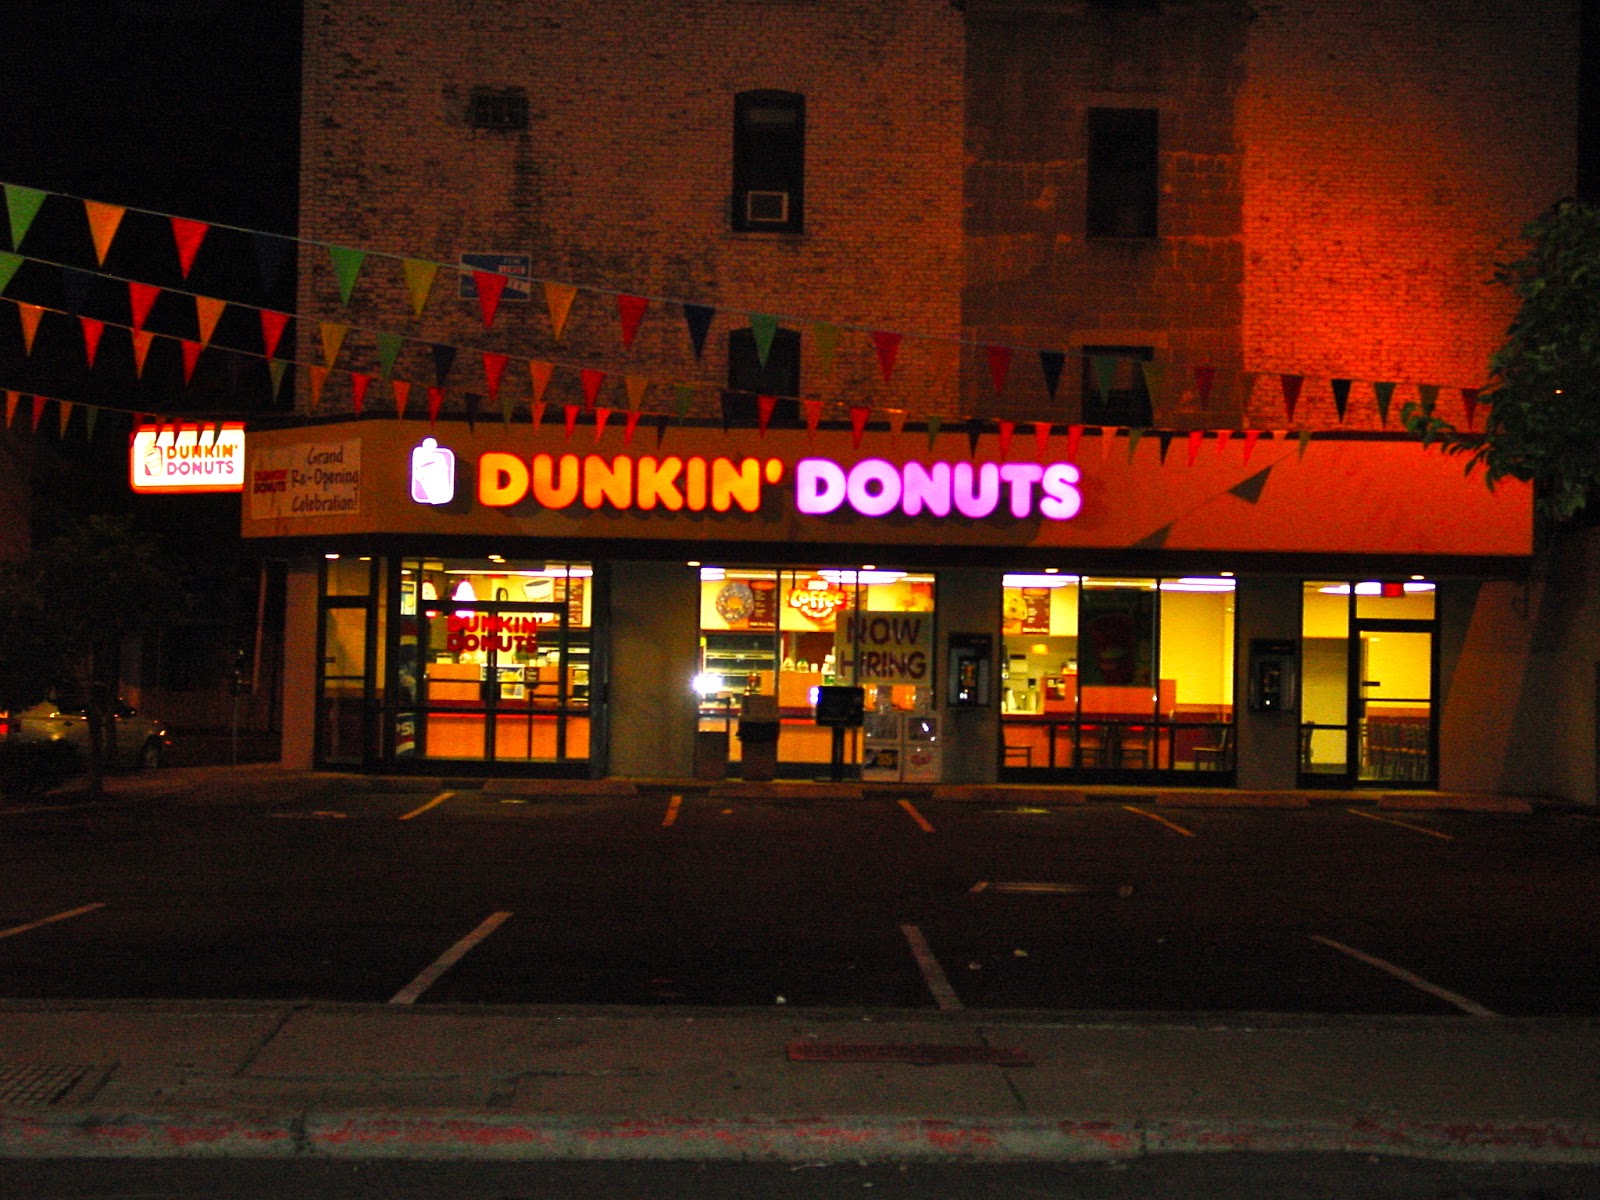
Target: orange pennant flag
{"x":419,"y":281}
{"x":103,"y":222}
{"x":187,"y":236}
{"x":191,"y":356}
{"x":1107,"y":432}
{"x":897,"y":422}
{"x":319,"y":376}
{"x":141,"y":349}
{"x":539,"y":373}
{"x":38,"y":411}
{"x":558,"y":298}
{"x":207,"y":312}
{"x":65,"y":415}
{"x":30,"y":314}
{"x":11,"y":406}
{"x":402,"y":392}
{"x":332,"y":339}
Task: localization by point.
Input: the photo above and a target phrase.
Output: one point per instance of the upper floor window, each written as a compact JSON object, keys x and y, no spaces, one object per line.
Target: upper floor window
{"x":498,"y":108}
{"x":769,"y":160}
{"x":1124,"y":146}
{"x":748,"y":378}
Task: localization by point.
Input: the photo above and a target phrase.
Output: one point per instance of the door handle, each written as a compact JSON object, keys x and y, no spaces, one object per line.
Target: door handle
{"x":1372,"y":683}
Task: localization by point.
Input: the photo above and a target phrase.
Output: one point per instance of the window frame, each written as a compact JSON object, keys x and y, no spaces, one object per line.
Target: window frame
{"x":768,"y":161}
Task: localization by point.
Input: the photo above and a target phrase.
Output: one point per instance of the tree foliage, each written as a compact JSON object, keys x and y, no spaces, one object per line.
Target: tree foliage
{"x":1543,"y":419}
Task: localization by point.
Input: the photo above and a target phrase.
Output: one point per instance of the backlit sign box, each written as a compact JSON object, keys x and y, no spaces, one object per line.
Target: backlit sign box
{"x":187,"y":458}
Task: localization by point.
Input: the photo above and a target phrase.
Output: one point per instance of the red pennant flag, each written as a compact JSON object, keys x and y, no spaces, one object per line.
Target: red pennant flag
{"x":141,"y":350}
{"x":491,"y":286}
{"x":1204,"y":377}
{"x":999,"y":365}
{"x":858,"y":422}
{"x":1251,"y":436}
{"x":191,"y":355}
{"x":1006,"y":430}
{"x":813,"y":411}
{"x":539,"y":373}
{"x":888,"y":346}
{"x":592,"y":379}
{"x":1469,"y":401}
{"x":1222,"y":439}
{"x":435,"y":403}
{"x":92,"y":330}
{"x":631,"y":310}
{"x":1291,"y":392}
{"x":536,"y":414}
{"x":359,"y":382}
{"x":494,"y":367}
{"x":1196,"y":436}
{"x":402,"y":393}
{"x":187,"y":236}
{"x":571,"y":417}
{"x":633,"y":423}
{"x":319,"y":377}
{"x":1074,"y":436}
{"x":38,"y":411}
{"x":272,"y":326}
{"x":1041,"y":439}
{"x":764,"y":407}
{"x":601,"y":416}
{"x":141,"y":296}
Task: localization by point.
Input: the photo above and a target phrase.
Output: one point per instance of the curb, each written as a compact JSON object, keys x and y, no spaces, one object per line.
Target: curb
{"x":447,"y":1135}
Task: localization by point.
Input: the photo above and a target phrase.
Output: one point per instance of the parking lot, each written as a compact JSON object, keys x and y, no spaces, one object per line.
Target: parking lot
{"x":334,"y":888}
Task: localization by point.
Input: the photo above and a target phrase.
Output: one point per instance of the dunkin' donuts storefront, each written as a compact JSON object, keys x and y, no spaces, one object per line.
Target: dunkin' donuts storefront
{"x":507,"y":600}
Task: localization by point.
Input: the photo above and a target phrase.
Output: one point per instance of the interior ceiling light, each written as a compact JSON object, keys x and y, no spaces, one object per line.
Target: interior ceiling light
{"x":1043,"y":581}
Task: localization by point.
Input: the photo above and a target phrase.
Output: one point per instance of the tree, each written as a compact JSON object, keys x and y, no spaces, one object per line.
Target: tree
{"x":65,"y":612}
{"x":1543,"y":421}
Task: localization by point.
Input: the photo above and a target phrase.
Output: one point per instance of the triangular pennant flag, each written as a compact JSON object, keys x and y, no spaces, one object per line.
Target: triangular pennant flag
{"x":1469,"y":402}
{"x":1249,"y":490}
{"x":536,"y":414}
{"x":191,"y":356}
{"x":570,"y":418}
{"x":1428,"y":397}
{"x":826,"y":336}
{"x":9,"y":263}
{"x":974,"y":432}
{"x":1108,"y":433}
{"x":1251,"y":436}
{"x":682,"y":398}
{"x":419,"y":276}
{"x":277,"y":368}
{"x":1341,"y":395}
{"x":186,"y":238}
{"x":346,"y":266}
{"x":636,"y":386}
{"x":662,"y":421}
{"x":11,"y":406}
{"x":1104,"y":368}
{"x":1074,"y":436}
{"x":65,"y":416}
{"x":1196,"y":436}
{"x":630,"y":311}
{"x":75,"y":285}
{"x":935,"y":424}
{"x":90,"y":413}
{"x":494,"y":368}
{"x":402,"y":393}
{"x":1154,"y":541}
{"x":92,"y":330}
{"x":539,"y":373}
{"x":1051,"y":362}
{"x":1305,"y":440}
{"x":360,"y":381}
{"x":30,"y":315}
{"x":858,"y":423}
{"x":897,"y":422}
{"x":332,"y":339}
{"x":491,"y":285}
{"x":1165,"y":437}
{"x":763,"y":327}
{"x":631,"y":425}
{"x":888,"y":346}
{"x":435,"y":403}
{"x":319,"y":377}
{"x":141,"y":299}
{"x":999,"y":359}
{"x":601,"y":416}
{"x":272,"y":327}
{"x":698,"y":318}
{"x":1384,"y":394}
{"x":1204,"y":378}
{"x":22,"y":203}
{"x":1222,"y":439}
{"x":1155,"y":382}
{"x":764,"y":407}
{"x":444,"y":357}
{"x":1041,"y":439}
{"x":207,"y":312}
{"x":558,"y":298}
{"x":388,"y":351}
{"x":813,"y":414}
{"x":270,"y":255}
{"x":103,"y":222}
{"x":1291,"y":392}
{"x":38,"y":411}
{"x":473,"y":399}
{"x":591,"y":379}
{"x":1006,"y":430}
{"x":1134,"y":435}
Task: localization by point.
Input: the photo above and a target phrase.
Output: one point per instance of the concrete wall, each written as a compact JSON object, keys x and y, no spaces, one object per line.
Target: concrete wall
{"x":968,"y":600}
{"x":655,"y":619}
{"x":300,"y":663}
{"x":1268,"y":743}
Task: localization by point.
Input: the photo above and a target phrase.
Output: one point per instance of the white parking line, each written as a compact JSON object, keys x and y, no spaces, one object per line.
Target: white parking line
{"x":1162,"y":820}
{"x":60,"y":916}
{"x":417,"y":812}
{"x":1416,"y":981}
{"x":672,"y":811}
{"x":409,"y":993}
{"x":921,"y":820}
{"x":1443,"y":837}
{"x":932,"y":973}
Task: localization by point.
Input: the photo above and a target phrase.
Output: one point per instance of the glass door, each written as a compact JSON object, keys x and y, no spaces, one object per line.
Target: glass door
{"x":1391,"y":693}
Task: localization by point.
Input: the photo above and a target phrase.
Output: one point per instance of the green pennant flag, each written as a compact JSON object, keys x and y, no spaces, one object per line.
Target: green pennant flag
{"x":1133,"y":441}
{"x":1105,"y":372}
{"x":8,"y":267}
{"x":1249,"y":490}
{"x":1154,"y":541}
{"x":763,"y":326}
{"x":683,"y":397}
{"x":419,"y":281}
{"x":1428,"y":394}
{"x":827,"y":339}
{"x":934,"y":425}
{"x":346,"y":266}
{"x":1155,"y":382}
{"x":276,"y":368}
{"x":23,"y":205}
{"x":1305,"y":440}
{"x":388,"y":350}
{"x":1385,"y":394}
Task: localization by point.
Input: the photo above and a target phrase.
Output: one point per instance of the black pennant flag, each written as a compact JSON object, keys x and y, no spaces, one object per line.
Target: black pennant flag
{"x":1249,"y":490}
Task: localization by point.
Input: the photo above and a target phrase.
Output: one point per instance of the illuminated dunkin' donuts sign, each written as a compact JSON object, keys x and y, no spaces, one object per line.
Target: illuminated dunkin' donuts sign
{"x":873,"y":487}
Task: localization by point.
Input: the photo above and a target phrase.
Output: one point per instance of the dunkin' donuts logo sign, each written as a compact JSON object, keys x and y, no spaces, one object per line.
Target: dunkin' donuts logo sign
{"x":187,"y":458}
{"x":873,"y":487}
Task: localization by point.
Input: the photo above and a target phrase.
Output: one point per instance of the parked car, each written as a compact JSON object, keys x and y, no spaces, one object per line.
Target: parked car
{"x":141,"y":739}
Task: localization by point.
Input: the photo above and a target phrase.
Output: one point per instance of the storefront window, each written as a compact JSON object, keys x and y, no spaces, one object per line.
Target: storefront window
{"x":352,"y":659}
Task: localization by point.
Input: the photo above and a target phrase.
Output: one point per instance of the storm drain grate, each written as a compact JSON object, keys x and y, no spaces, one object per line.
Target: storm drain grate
{"x":37,"y":1085}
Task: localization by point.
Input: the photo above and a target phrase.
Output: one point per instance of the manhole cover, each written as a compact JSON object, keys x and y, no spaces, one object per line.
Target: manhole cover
{"x":37,"y":1085}
{"x":918,"y":1054}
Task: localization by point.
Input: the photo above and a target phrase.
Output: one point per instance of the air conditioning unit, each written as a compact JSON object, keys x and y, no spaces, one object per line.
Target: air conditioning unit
{"x":766,"y":208}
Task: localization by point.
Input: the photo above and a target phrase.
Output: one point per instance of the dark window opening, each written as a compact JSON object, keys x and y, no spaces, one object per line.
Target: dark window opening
{"x":499,"y":108}
{"x":747,"y":379}
{"x":1127,"y":400}
{"x":769,"y":145}
{"x":1124,"y":146}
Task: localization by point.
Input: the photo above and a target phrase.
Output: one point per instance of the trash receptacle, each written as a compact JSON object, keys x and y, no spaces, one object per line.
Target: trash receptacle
{"x":711,"y":754}
{"x":758,"y":737}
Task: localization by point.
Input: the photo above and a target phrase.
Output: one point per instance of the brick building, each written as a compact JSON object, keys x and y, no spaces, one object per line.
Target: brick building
{"x":1039,"y":197}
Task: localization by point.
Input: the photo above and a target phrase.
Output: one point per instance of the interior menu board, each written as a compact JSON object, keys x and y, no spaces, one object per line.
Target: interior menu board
{"x":1036,"y":610}
{"x":764,"y":604}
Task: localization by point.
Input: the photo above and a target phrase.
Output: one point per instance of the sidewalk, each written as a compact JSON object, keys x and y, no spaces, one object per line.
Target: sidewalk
{"x":367,"y":1081}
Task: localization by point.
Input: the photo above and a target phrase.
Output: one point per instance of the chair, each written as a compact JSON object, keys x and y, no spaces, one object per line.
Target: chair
{"x":1215,"y":756}
{"x":1018,"y":756}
